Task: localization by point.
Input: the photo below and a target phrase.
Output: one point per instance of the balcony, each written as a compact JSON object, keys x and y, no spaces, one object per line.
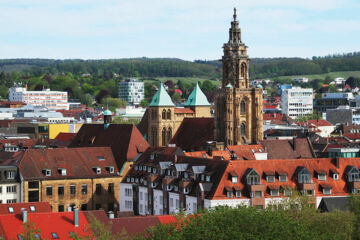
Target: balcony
{"x":258,"y":187}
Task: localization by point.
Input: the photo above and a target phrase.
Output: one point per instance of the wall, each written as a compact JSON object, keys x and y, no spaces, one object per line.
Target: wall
{"x":143,"y":200}
{"x":4,"y":195}
{"x":55,"y":129}
{"x":158,"y":202}
{"x":124,"y":197}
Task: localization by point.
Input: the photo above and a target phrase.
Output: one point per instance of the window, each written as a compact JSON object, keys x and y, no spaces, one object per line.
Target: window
{"x":61,"y":190}
{"x":0,"y":189}
{"x":287,"y":192}
{"x":229,"y":194}
{"x":72,"y":189}
{"x":234,"y":179}
{"x":11,"y":189}
{"x":168,"y":115}
{"x":242,"y":107}
{"x":83,"y":189}
{"x":322,"y":177}
{"x":128,"y":192}
{"x":304,"y":178}
{"x":242,"y":129}
{"x":33,"y":184}
{"x":238,"y":193}
{"x":83,"y":207}
{"x":163,"y":115}
{"x":336,"y":176}
{"x":11,"y":201}
{"x":258,"y":194}
{"x":163,"y":136}
{"x":128,"y":204}
{"x":11,"y":210}
{"x":111,"y":188}
{"x":54,"y":235}
{"x":282,"y":178}
{"x":169,"y":135}
{"x":48,"y":190}
{"x":98,"y":206}
{"x":98,"y":189}
{"x":309,"y":192}
{"x":270,"y":178}
{"x":274,"y":192}
{"x":10,"y":175}
{"x":60,"y":208}
{"x":326,"y":191}
{"x":253,"y":178}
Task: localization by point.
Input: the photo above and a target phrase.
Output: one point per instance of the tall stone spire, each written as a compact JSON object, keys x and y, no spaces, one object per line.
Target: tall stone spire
{"x":235,"y":31}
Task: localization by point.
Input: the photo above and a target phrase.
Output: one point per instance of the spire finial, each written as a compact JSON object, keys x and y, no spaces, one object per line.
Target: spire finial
{"x":234,"y":14}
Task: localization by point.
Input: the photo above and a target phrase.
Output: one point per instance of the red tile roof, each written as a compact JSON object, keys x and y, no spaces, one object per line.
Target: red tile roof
{"x":78,"y":162}
{"x":288,"y":149}
{"x":25,"y":143}
{"x":17,"y":207}
{"x":288,"y":166}
{"x":125,"y":140}
{"x":352,"y":136}
{"x":317,"y":123}
{"x":203,"y":154}
{"x":183,"y":110}
{"x":60,"y":223}
{"x":62,"y":136}
{"x":244,"y":152}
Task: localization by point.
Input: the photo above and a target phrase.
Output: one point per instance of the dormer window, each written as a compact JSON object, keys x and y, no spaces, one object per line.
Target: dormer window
{"x":186,"y":190}
{"x":229,"y":192}
{"x":97,"y":170}
{"x":110,"y":169}
{"x":252,"y":178}
{"x":186,"y":175}
{"x":283,"y":177}
{"x":154,"y":184}
{"x":144,"y":168}
{"x":154,"y":170}
{"x":336,"y":176}
{"x":140,"y":168}
{"x":149,"y":169}
{"x":237,"y":192}
{"x":47,"y":172}
{"x":208,"y":178}
{"x":352,"y":174}
{"x":234,"y":178}
{"x":136,"y":167}
{"x":321,"y":174}
{"x":62,"y":171}
{"x":176,"y":188}
{"x":270,"y":176}
{"x":326,"y":188}
{"x":169,"y":187}
{"x":10,"y":175}
{"x":303,"y":175}
{"x":287,"y":191}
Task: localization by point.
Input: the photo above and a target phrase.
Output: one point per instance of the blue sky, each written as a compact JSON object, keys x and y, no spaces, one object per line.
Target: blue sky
{"x":187,"y":29}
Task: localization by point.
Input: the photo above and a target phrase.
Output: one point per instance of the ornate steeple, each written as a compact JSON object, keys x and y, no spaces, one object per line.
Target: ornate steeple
{"x":235,"y":31}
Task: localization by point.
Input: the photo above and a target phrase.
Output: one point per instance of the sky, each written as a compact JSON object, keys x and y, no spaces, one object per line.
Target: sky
{"x":186,"y":29}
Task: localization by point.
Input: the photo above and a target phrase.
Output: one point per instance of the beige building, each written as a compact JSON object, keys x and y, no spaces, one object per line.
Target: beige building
{"x":238,"y":108}
{"x":164,"y":118}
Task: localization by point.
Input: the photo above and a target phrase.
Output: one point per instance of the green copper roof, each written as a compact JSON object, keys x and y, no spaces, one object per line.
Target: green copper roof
{"x":197,"y":98}
{"x":107,"y":112}
{"x":229,"y":86}
{"x":161,"y":98}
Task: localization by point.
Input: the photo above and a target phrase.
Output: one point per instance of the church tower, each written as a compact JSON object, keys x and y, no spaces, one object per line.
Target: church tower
{"x":238,"y":108}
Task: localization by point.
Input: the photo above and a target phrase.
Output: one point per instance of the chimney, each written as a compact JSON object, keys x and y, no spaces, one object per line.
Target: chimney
{"x":111,"y":215}
{"x":24,"y":215}
{"x":76,"y":217}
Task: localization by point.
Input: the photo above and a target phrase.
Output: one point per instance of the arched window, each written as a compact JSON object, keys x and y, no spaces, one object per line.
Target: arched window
{"x":153,"y":136}
{"x":242,"y":129}
{"x":163,"y":115}
{"x":242,"y":106}
{"x":153,"y":114}
{"x":163,"y":137}
{"x":243,"y":70}
{"x":169,"y":135}
{"x":168,"y":114}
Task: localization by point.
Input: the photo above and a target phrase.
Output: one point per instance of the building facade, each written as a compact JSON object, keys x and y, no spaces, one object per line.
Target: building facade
{"x":333,"y":100}
{"x":238,"y":108}
{"x":164,"y":118}
{"x":132,"y":91}
{"x":53,"y":100}
{"x":297,"y":102}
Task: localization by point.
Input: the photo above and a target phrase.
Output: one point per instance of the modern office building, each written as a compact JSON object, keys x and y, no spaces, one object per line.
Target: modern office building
{"x":53,"y":100}
{"x":132,"y":91}
{"x":296,"y":102}
{"x":333,"y":100}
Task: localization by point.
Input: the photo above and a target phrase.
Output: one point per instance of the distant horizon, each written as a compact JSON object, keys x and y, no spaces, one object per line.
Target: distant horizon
{"x":110,"y":29}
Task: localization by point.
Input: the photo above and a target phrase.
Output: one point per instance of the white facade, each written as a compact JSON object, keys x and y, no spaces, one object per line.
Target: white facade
{"x":296,"y":102}
{"x":10,"y":193}
{"x":191,"y":204}
{"x":158,"y":202}
{"x":339,"y":81}
{"x":50,"y":99}
{"x":132,"y":91}
{"x":174,"y":203}
{"x":126,"y":198}
{"x":143,"y":201}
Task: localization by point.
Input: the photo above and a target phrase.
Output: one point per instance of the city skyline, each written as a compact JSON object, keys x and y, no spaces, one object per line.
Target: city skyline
{"x":187,"y":30}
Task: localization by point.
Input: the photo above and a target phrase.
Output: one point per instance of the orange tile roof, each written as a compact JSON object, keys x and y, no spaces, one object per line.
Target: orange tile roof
{"x":244,"y":152}
{"x":288,"y":166}
{"x":203,"y":154}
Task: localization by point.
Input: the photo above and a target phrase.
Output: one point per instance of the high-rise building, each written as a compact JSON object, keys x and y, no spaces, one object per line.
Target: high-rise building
{"x":132,"y":91}
{"x":238,"y":108}
{"x":53,"y":100}
{"x":296,"y":102}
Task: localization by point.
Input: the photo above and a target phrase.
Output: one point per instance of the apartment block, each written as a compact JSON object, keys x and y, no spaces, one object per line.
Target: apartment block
{"x":132,"y":91}
{"x":296,"y":102}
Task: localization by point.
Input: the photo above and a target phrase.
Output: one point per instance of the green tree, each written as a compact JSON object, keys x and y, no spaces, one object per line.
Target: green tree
{"x":30,"y":231}
{"x":113,"y":103}
{"x":144,"y":103}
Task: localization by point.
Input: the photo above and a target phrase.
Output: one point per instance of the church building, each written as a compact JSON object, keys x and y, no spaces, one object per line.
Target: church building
{"x":238,"y":108}
{"x":164,"y":118}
